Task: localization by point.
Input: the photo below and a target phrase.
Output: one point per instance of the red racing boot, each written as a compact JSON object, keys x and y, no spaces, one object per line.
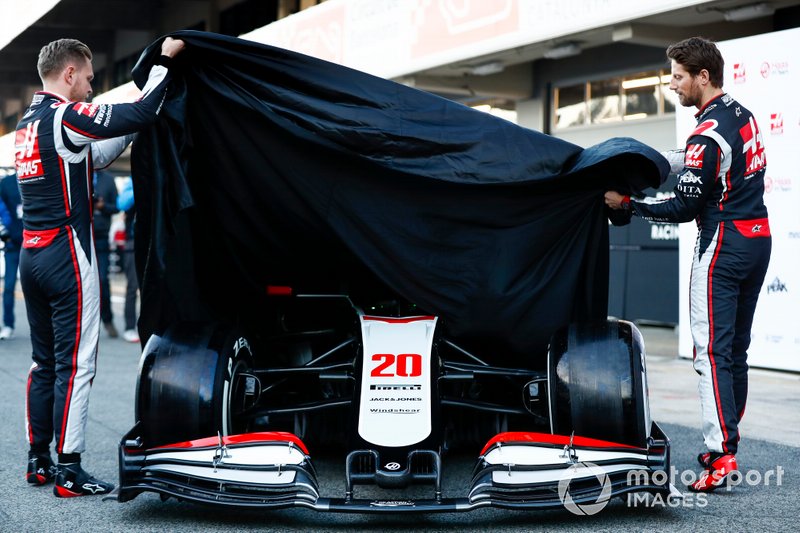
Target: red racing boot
{"x":716,"y":473}
{"x":41,"y":469}
{"x":704,"y":459}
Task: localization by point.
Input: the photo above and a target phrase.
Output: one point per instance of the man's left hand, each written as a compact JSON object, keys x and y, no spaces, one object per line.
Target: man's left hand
{"x":615,"y":200}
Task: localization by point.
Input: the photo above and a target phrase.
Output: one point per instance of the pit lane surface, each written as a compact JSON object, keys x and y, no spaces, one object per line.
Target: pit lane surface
{"x":770,"y":444}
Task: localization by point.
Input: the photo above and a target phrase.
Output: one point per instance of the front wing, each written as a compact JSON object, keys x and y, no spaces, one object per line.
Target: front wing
{"x":514,"y":471}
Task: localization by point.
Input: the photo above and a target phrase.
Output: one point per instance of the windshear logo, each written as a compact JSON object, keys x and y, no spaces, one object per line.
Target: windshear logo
{"x":584,"y":470}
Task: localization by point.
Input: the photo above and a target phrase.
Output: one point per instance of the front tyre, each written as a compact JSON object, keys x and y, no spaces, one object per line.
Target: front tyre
{"x":597,"y":383}
{"x":194,"y":382}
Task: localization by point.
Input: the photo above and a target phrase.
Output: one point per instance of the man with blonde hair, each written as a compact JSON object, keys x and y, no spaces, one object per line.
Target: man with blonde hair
{"x":59,"y":142}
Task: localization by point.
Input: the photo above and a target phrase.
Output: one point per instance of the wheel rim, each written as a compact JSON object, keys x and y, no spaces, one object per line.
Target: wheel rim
{"x":235,"y":398}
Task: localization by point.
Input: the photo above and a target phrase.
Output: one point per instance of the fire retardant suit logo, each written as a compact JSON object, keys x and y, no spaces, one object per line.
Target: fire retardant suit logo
{"x":583,"y":472}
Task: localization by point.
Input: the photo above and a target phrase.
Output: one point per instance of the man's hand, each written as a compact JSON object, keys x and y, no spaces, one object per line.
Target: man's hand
{"x":615,"y":200}
{"x":172,"y":47}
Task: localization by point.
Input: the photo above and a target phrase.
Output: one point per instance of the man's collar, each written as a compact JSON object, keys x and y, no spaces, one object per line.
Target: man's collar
{"x":54,"y":95}
{"x":705,"y":106}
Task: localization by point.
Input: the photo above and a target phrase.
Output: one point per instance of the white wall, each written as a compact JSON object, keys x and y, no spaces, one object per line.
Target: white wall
{"x":658,"y":132}
{"x":530,"y":113}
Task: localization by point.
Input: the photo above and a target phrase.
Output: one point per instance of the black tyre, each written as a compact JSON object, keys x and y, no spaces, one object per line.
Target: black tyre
{"x":193,"y":382}
{"x":597,"y":383}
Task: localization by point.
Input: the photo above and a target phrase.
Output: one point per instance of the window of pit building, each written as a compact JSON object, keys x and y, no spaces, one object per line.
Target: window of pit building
{"x":498,"y":107}
{"x":615,"y":99}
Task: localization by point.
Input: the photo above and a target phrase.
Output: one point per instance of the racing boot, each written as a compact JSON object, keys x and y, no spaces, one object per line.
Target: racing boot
{"x":72,"y":480}
{"x":716,"y":473}
{"x":704,"y":459}
{"x":41,"y":469}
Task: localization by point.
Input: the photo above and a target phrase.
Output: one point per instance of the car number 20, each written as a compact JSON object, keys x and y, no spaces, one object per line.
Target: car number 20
{"x":407,"y":365}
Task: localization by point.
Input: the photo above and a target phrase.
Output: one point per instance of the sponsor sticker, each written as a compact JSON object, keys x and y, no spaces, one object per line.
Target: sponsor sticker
{"x":753,"y":147}
{"x":776,"y":123}
{"x":774,"y":68}
{"x":739,"y":73}
{"x":691,"y":177}
{"x":776,"y":286}
{"x":694,"y":156}
{"x":773,"y":184}
{"x":689,"y":183}
{"x":396,"y":387}
{"x":26,"y":145}
{"x":84,"y":108}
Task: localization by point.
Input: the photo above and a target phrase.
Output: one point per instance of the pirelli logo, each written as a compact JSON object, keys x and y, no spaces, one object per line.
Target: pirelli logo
{"x":395,"y":387}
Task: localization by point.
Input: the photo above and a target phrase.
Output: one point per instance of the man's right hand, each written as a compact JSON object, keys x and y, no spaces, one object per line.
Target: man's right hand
{"x":172,"y":47}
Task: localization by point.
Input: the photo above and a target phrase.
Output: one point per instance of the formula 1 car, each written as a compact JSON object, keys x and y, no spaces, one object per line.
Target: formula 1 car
{"x":228,"y":419}
{"x":336,"y":263}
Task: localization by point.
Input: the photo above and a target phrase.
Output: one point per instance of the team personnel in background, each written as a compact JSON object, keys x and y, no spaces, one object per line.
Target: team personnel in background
{"x":721,"y":187}
{"x":125,"y":203}
{"x":59,"y":142}
{"x":105,"y":205}
{"x":12,"y":220}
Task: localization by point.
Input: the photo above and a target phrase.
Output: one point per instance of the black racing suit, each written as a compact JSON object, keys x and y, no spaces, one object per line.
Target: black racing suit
{"x":58,"y":144}
{"x":721,"y":186}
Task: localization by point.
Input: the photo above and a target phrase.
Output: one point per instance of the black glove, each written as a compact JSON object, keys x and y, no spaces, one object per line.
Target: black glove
{"x":4,"y":233}
{"x":619,"y":217}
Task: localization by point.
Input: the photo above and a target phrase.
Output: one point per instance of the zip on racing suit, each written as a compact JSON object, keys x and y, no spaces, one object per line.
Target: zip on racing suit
{"x":58,"y":143}
{"x":721,"y":185}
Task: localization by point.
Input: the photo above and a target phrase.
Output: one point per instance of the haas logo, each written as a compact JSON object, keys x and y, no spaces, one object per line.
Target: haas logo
{"x":694,"y":156}
{"x":26,"y":145}
{"x":84,"y":108}
{"x":739,"y":73}
{"x":753,"y":147}
{"x":776,"y":123}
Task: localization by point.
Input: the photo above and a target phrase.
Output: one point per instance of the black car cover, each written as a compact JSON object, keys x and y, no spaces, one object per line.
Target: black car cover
{"x":271,"y":168}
